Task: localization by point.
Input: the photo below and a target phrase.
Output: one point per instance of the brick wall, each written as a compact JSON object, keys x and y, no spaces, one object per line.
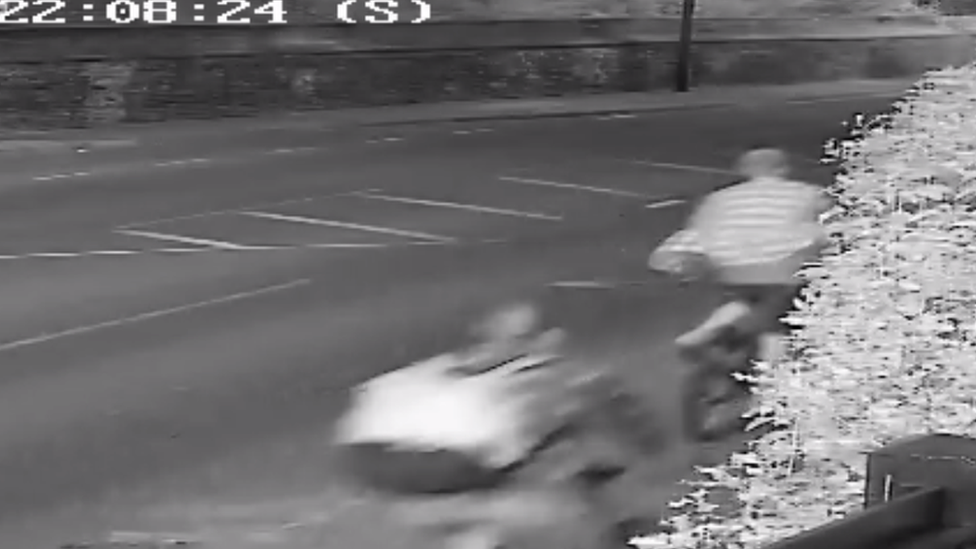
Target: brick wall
{"x":120,"y":75}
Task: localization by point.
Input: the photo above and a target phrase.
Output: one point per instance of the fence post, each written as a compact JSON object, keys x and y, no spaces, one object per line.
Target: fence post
{"x":927,"y":461}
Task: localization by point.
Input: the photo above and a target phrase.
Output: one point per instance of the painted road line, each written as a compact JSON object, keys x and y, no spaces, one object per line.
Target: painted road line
{"x":616,"y":117}
{"x":219,"y":244}
{"x":573,"y":186}
{"x":60,"y":176}
{"x":679,"y":167}
{"x":181,"y":162}
{"x":162,"y":540}
{"x":457,"y":206}
{"x":344,"y":225}
{"x":597,"y":284}
{"x":231,"y":211}
{"x":275,"y":248}
{"x":294,"y":150}
{"x":149,"y":315}
{"x":664,"y":204}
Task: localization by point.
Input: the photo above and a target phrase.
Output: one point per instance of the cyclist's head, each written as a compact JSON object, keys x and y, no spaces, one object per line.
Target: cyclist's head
{"x":764,"y":162}
{"x":511,"y":322}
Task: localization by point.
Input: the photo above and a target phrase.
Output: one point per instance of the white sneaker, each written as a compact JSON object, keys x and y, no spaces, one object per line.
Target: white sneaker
{"x":729,"y":314}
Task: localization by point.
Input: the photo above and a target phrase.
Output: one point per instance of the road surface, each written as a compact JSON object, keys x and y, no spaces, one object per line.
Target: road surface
{"x":179,"y":326}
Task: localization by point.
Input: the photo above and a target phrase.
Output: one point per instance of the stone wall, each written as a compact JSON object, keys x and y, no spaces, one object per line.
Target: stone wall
{"x":84,"y":77}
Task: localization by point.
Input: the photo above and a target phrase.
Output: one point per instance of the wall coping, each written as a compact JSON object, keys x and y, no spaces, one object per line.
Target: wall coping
{"x":35,"y":44}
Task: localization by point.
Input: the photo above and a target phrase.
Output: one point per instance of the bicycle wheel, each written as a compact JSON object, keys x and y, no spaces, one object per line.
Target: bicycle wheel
{"x":712,"y":401}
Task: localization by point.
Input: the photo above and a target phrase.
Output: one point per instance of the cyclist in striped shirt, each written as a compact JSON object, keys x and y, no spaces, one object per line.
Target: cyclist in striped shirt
{"x":755,"y":236}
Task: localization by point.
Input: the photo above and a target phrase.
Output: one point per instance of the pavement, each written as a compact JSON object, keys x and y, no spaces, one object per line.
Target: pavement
{"x":178,"y":331}
{"x":192,"y":134}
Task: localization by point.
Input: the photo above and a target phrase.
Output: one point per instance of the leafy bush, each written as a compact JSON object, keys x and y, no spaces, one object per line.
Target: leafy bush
{"x":885,"y":343}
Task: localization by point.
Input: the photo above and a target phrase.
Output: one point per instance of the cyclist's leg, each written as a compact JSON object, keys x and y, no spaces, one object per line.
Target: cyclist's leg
{"x":731,"y":313}
{"x":776,"y":304}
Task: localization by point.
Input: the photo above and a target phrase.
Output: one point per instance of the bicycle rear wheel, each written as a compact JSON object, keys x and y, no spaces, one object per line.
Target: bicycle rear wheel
{"x":712,"y":400}
{"x":713,"y":405}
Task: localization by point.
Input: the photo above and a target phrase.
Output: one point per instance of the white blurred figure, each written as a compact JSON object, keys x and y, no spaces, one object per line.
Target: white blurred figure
{"x":444,"y":441}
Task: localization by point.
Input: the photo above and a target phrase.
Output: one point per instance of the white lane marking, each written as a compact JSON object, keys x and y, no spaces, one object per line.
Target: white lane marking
{"x":163,"y":540}
{"x":457,"y":206}
{"x":272,"y":248}
{"x":60,"y":176}
{"x":583,"y":284}
{"x":53,"y":254}
{"x":131,"y":252}
{"x":181,"y":162}
{"x":220,"y":244}
{"x":153,"y":314}
{"x":596,"y":284}
{"x":344,"y":225}
{"x":174,"y":163}
{"x":664,"y":204}
{"x":573,"y":186}
{"x":679,"y":167}
{"x":293,"y":150}
{"x":215,"y":213}
{"x":616,"y":117}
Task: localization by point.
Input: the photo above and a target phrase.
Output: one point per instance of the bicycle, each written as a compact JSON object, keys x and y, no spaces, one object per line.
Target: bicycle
{"x":721,"y":352}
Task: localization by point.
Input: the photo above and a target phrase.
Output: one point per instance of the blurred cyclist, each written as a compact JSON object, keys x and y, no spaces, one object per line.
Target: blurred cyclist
{"x":489,"y":443}
{"x":444,"y":441}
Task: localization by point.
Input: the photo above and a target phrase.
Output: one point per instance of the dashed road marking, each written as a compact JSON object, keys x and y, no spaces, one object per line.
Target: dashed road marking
{"x":271,"y":248}
{"x":597,"y":284}
{"x":220,"y":244}
{"x":231,"y":211}
{"x":294,"y":150}
{"x":345,"y":225}
{"x":153,"y":314}
{"x":679,"y":167}
{"x":664,"y":204}
{"x":573,"y":186}
{"x":457,"y":206}
{"x":620,"y":116}
{"x":53,"y":254}
{"x":181,"y":162}
{"x":61,"y":176}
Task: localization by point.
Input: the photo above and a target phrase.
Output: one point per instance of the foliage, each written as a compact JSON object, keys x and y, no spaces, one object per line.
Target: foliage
{"x":885,"y":338}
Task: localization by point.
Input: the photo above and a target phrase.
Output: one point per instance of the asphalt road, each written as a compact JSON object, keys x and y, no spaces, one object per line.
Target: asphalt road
{"x":179,"y":329}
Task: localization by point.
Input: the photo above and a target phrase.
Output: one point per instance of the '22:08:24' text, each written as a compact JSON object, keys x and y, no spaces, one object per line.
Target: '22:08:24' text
{"x":220,"y":12}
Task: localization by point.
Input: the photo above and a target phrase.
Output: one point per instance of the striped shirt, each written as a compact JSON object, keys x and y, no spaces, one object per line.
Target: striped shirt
{"x":763,"y":223}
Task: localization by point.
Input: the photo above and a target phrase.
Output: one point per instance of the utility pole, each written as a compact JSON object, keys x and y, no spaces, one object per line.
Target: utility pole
{"x":683,"y":67}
